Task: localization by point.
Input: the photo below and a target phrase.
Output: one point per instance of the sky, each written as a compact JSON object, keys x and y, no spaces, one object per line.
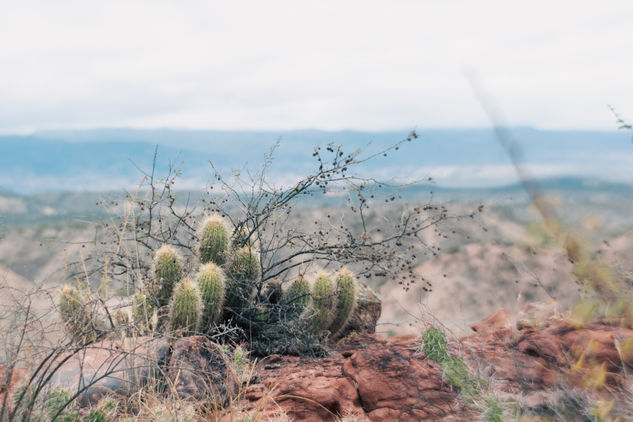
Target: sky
{"x":364,"y":65}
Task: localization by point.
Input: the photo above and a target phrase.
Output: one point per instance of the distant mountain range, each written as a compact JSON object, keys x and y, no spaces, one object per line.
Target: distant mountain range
{"x":79,"y":207}
{"x":110,"y":159}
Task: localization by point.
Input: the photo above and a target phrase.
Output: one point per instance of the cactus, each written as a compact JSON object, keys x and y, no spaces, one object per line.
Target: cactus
{"x":242,"y":272}
{"x":214,"y":241}
{"x":323,"y":302}
{"x":347,"y":294}
{"x":212,"y":285}
{"x":167,"y":272}
{"x":297,"y":296}
{"x":185,"y":309}
{"x":76,"y":313}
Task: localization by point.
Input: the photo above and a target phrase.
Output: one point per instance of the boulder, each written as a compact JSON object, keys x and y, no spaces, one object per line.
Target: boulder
{"x":374,"y":379}
{"x":112,"y":367}
{"x":199,"y":371}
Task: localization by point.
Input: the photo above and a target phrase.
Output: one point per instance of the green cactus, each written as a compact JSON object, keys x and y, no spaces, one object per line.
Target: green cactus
{"x":214,"y":241}
{"x":323,"y":302}
{"x":167,"y":272}
{"x":212,"y":285}
{"x":347,"y":294}
{"x":185,"y":309}
{"x":242,"y":272}
{"x":297,"y":297}
{"x":76,"y":313}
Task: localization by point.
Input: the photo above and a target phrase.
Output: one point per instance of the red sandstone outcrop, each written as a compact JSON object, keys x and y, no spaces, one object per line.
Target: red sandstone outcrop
{"x":372,"y":378}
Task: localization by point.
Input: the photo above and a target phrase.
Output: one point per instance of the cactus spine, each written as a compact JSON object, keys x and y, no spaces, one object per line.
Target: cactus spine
{"x":212,"y":285}
{"x":214,"y":241}
{"x":167,"y":272}
{"x":347,"y":293}
{"x":243,"y":272}
{"x":185,"y":309}
{"x":297,"y":297}
{"x":324,"y":303}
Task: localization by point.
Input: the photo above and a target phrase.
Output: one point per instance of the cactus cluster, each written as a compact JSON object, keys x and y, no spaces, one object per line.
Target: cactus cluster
{"x":224,"y":286}
{"x":329,"y":303}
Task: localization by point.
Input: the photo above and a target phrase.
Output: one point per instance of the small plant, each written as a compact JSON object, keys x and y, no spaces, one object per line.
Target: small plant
{"x":185,"y":309}
{"x":347,"y":295}
{"x":167,"y":272}
{"x":96,"y":415}
{"x":456,"y":372}
{"x":214,"y":241}
{"x":324,"y":303}
{"x":493,"y":412}
{"x":104,"y":412}
{"x":434,"y":344}
{"x":239,"y":357}
{"x":212,"y":285}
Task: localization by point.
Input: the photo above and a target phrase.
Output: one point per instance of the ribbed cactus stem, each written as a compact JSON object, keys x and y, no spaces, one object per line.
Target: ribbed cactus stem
{"x":323,"y":302}
{"x":347,"y":294}
{"x":242,"y":274}
{"x":214,"y":240}
{"x":167,"y":272}
{"x":185,"y":309}
{"x":212,"y":285}
{"x":297,"y":297}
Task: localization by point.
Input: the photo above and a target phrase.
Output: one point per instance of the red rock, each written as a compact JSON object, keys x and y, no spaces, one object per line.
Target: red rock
{"x":378,"y":379}
{"x":397,"y":383}
{"x":496,"y":325}
{"x":7,"y":387}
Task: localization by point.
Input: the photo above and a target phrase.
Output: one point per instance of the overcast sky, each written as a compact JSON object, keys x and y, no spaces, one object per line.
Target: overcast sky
{"x":366,"y":65}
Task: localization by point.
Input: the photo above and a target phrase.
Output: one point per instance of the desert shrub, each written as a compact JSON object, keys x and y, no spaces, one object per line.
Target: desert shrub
{"x":56,"y":404}
{"x":493,"y":412}
{"x":456,"y":372}
{"x":434,"y":344}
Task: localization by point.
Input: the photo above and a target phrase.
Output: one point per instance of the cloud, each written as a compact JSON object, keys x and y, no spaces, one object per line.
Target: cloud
{"x":330,"y":65}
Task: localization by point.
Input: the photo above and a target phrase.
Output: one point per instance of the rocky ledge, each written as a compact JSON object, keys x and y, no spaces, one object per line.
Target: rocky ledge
{"x":377,"y":379}
{"x":369,"y":377}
